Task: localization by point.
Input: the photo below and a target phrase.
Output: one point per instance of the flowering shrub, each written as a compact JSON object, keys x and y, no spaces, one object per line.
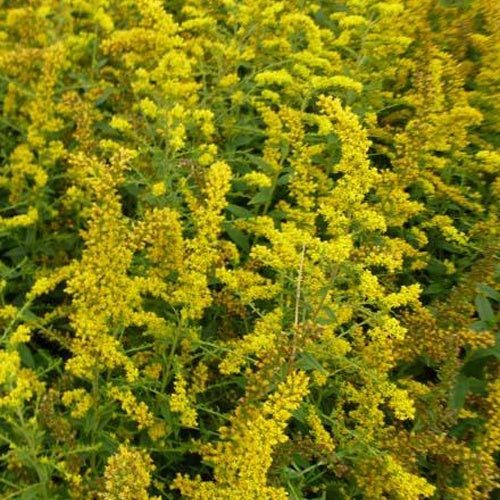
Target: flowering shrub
{"x":248,"y":249}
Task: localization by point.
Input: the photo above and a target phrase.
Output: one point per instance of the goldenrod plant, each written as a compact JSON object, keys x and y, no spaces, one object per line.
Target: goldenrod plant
{"x":249,"y":249}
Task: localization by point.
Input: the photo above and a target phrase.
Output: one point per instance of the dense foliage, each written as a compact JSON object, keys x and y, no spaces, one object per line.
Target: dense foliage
{"x":248,"y":249}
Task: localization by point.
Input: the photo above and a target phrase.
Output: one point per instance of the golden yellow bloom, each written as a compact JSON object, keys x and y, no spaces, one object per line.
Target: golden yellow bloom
{"x":159,"y":189}
{"x":18,"y":384}
{"x":149,"y":108}
{"x":180,"y":402}
{"x":20,"y":220}
{"x":128,"y":475}
{"x":321,"y":436}
{"x":244,"y":456}
{"x":20,"y":335}
{"x":120,"y":124}
{"x":136,"y":410}
{"x":81,"y":401}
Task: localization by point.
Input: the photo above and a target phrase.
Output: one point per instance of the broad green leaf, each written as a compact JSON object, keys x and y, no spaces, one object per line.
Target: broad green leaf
{"x":263,"y":196}
{"x":308,"y":362}
{"x":459,"y":392}
{"x":484,"y":309}
{"x":240,"y":212}
{"x":238,"y":236}
{"x":488,"y":291}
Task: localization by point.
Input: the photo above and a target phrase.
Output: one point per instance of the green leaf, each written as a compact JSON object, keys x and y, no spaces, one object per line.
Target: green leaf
{"x":284,"y":179}
{"x":104,"y":96}
{"x":133,"y":188}
{"x":238,"y":236}
{"x":29,"y":315}
{"x":278,"y":215}
{"x":263,"y":196}
{"x":240,"y":140}
{"x":479,"y":326}
{"x":488,"y":291}
{"x":459,"y":392}
{"x":434,"y":289}
{"x":329,"y":318}
{"x":465,"y":426}
{"x":262,"y":164}
{"x":308,"y":362}
{"x":485,"y":353}
{"x":484,"y":309}
{"x":300,"y":460}
{"x":106,"y":127}
{"x":239,"y":212}
{"x":477,"y":386}
{"x":26,"y":356}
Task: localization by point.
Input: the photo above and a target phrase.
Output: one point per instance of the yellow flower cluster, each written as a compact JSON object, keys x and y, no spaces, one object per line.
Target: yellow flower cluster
{"x":322,"y":437}
{"x":181,"y":403}
{"x":81,"y":401}
{"x":393,"y":479}
{"x":128,"y":475}
{"x":18,"y":384}
{"x":242,"y":459}
{"x":136,"y":410}
{"x":200,"y":254}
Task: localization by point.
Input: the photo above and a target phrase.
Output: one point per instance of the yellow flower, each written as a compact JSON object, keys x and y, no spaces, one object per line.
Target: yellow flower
{"x":180,"y":402}
{"x":81,"y":401}
{"x":149,"y":108}
{"x":19,"y":384}
{"x":127,"y":475}
{"x":242,"y":459}
{"x":159,"y":189}
{"x":20,"y":220}
{"x":120,"y":124}
{"x":136,"y":410}
{"x":257,"y":179}
{"x":321,"y":436}
{"x":20,"y":335}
